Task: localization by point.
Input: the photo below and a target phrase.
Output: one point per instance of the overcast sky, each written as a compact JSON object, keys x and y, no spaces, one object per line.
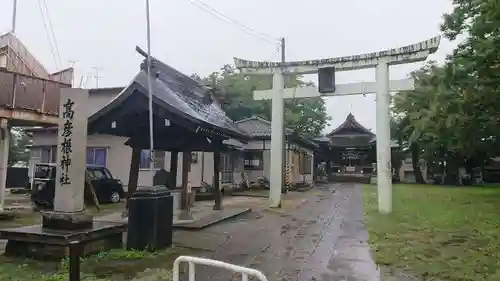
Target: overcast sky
{"x":104,"y":33}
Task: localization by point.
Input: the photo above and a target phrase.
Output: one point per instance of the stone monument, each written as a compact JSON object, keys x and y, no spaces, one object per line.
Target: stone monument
{"x":69,"y":205}
{"x":68,"y":223}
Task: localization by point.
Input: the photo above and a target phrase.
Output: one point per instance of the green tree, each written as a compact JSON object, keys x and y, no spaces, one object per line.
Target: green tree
{"x":414,"y":111}
{"x":473,"y":72}
{"x":442,"y":120}
{"x":19,"y":146}
{"x":453,"y":115}
{"x":307,"y":117}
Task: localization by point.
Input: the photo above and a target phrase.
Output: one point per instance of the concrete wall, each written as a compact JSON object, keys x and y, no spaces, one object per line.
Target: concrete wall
{"x":406,"y":173}
{"x":119,"y":156}
{"x":293,"y":151}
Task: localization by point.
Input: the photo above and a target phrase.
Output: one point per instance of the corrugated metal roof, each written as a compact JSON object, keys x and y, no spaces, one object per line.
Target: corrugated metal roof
{"x":20,"y":59}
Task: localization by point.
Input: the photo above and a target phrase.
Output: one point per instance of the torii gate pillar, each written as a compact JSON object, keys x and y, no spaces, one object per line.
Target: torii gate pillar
{"x":380,"y":61}
{"x":384,"y":173}
{"x":277,"y":140}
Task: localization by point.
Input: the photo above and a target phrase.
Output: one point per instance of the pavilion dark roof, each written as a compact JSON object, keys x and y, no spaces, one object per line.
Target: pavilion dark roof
{"x":182,"y":98}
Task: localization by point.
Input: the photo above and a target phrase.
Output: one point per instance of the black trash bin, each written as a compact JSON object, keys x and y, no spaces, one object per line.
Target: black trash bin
{"x":150,"y":219}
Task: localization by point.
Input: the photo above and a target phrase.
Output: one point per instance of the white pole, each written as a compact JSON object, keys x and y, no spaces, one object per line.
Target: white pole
{"x":14,"y":16}
{"x":384,"y":175}
{"x":277,"y":139}
{"x":150,"y":92}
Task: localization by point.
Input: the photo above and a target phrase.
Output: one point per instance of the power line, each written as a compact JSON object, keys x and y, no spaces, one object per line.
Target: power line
{"x":276,"y":51}
{"x":245,"y":28}
{"x":52,"y":30}
{"x":271,"y":38}
{"x":47,"y":33}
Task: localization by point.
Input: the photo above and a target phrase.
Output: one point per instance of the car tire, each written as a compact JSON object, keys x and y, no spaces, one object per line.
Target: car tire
{"x":114,"y":197}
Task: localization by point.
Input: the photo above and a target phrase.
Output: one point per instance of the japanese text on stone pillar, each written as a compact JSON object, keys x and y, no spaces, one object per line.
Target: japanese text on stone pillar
{"x":66,"y":145}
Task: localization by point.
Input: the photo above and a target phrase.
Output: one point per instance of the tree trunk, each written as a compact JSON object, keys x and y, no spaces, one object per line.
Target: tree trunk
{"x":415,"y":157}
{"x":469,"y":169}
{"x":452,"y":171}
{"x":396,"y":163}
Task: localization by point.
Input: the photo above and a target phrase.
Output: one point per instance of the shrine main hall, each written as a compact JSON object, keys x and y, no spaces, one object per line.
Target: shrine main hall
{"x":348,"y":151}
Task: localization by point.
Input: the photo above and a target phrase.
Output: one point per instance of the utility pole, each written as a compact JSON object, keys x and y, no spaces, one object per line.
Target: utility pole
{"x":286,"y":159}
{"x":72,"y":65}
{"x":283,"y":49}
{"x":14,"y":16}
{"x":96,"y":76}
{"x":150,"y":95}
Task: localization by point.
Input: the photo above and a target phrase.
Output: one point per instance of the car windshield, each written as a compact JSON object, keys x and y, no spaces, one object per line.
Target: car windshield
{"x":99,"y":174}
{"x":44,"y":171}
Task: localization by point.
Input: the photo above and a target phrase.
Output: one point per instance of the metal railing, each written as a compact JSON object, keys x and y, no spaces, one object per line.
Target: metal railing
{"x":31,"y":93}
{"x":245,"y":272}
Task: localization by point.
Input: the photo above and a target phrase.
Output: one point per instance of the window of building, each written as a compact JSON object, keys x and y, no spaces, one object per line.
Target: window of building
{"x":238,"y":160}
{"x":226,"y":168}
{"x":48,"y":154}
{"x":253,"y":160}
{"x":159,"y":159}
{"x":305,"y":163}
{"x":97,"y":156}
{"x":36,"y":152}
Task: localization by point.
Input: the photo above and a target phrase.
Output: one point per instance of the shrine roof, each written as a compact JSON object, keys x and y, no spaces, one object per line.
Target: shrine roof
{"x":176,"y":97}
{"x":350,"y":126}
{"x":257,"y":126}
{"x":260,"y":128}
{"x":351,"y":140}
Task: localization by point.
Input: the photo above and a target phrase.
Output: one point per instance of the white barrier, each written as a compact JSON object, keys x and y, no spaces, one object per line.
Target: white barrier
{"x":245,"y":272}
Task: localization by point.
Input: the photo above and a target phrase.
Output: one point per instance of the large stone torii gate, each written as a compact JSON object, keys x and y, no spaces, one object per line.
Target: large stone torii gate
{"x":326,"y":68}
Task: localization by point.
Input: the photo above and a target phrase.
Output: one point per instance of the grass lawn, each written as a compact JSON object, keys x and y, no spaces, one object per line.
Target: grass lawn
{"x":107,"y":266}
{"x":438,"y":233}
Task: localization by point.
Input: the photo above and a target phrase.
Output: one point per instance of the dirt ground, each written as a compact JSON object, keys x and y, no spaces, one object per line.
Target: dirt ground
{"x":319,"y":237}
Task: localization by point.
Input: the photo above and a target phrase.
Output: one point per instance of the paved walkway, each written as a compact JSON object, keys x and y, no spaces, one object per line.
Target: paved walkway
{"x":323,"y":239}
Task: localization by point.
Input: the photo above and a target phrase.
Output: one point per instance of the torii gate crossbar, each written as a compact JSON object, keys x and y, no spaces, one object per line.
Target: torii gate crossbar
{"x":378,"y":60}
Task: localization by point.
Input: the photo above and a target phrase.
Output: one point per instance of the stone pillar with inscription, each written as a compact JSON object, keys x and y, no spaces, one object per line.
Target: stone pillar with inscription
{"x":69,"y":205}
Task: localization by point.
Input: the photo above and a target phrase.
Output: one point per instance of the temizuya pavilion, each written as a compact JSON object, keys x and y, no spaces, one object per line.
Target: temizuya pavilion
{"x":186,"y":114}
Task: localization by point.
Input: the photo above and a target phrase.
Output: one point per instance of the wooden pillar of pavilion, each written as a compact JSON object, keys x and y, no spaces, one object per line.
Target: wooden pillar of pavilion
{"x":328,"y":169}
{"x":174,"y":160}
{"x":186,"y":161}
{"x":133,"y":177}
{"x":216,"y":184}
